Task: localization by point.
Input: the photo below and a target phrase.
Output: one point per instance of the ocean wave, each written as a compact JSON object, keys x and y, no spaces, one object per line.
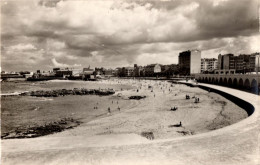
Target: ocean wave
{"x":43,"y":99}
{"x":10,"y":94}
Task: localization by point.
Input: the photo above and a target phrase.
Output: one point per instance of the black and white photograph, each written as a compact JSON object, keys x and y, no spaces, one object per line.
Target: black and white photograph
{"x":130,"y":82}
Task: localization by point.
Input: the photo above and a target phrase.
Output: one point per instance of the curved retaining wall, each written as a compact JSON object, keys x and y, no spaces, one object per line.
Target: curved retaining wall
{"x":248,"y":107}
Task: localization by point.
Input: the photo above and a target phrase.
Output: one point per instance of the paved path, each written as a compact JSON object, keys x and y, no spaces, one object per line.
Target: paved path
{"x":234,"y":144}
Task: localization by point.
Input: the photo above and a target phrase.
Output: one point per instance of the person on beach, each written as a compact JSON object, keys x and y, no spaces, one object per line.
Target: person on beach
{"x":180,"y":124}
{"x":118,"y":108}
{"x":109,"y":110}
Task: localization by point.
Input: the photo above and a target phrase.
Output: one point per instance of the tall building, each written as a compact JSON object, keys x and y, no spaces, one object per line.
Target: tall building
{"x":241,"y":64}
{"x":190,"y":62}
{"x":225,"y":61}
{"x":208,"y":64}
{"x":254,"y":62}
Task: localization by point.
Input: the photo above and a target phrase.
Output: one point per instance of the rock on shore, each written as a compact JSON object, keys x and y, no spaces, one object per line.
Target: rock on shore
{"x":137,"y":97}
{"x":36,"y":131}
{"x":64,"y":92}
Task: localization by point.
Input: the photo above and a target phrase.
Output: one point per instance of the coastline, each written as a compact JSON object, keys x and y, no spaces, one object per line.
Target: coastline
{"x":136,"y":116}
{"x":219,"y":134}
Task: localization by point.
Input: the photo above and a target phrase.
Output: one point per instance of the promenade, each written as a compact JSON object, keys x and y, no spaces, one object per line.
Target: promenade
{"x":231,"y":145}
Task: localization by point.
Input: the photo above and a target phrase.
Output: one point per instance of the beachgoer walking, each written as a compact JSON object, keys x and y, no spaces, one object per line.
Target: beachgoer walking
{"x":109,"y":110}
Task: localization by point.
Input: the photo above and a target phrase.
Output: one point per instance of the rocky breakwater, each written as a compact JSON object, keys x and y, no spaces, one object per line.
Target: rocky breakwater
{"x":136,"y":97}
{"x":64,"y":92}
{"x":41,"y":130}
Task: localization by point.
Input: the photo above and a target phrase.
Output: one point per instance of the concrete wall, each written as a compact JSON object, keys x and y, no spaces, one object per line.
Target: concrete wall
{"x":248,"y":82}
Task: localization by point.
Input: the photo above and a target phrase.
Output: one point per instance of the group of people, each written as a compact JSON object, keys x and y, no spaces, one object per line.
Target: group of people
{"x":197,"y":99}
{"x":95,"y":107}
{"x":174,"y":108}
{"x":109,"y":110}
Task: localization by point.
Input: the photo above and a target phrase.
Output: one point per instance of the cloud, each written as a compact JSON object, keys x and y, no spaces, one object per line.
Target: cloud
{"x":22,"y":47}
{"x":124,"y":32}
{"x":62,"y":65}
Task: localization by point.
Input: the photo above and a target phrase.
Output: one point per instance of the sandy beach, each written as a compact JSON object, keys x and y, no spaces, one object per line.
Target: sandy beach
{"x":153,"y":114}
{"x":116,"y":137}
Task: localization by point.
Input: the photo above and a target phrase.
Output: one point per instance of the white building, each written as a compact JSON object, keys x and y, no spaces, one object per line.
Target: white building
{"x":195,"y":61}
{"x":208,"y":64}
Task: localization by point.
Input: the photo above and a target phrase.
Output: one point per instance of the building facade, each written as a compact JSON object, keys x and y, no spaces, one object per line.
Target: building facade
{"x":151,"y":70}
{"x":226,"y":61}
{"x":209,"y":64}
{"x":242,"y":63}
{"x":190,"y":62}
{"x":128,"y":71}
{"x":254,"y":62}
{"x":138,"y":71}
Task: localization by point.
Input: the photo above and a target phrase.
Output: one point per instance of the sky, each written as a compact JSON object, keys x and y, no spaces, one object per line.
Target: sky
{"x":38,"y":34}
